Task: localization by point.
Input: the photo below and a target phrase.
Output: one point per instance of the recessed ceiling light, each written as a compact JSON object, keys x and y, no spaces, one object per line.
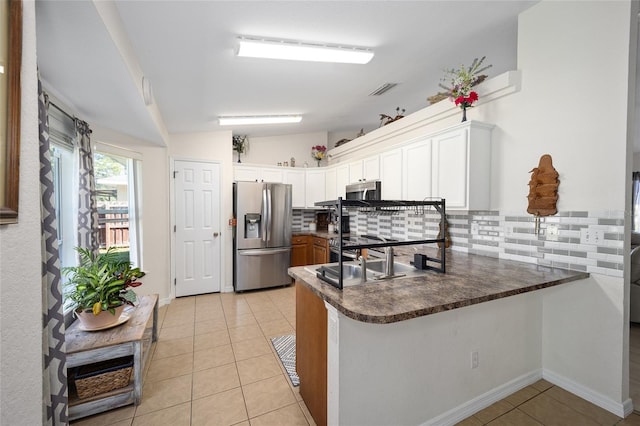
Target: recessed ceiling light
{"x":301,"y":51}
{"x":259,"y":119}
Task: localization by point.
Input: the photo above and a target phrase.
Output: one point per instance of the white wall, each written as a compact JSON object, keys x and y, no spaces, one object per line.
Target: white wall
{"x":636,"y":162}
{"x":573,"y":105}
{"x":212,"y":146}
{"x":156,"y":259}
{"x":20,"y":281}
{"x":425,"y":363}
{"x":583,"y":333}
{"x":272,"y":150}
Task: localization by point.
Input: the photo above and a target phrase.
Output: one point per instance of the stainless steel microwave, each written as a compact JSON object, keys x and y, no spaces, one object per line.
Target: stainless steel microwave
{"x":364,"y":190}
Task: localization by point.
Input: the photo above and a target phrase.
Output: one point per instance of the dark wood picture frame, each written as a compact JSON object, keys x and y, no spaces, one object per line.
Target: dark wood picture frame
{"x":10,"y":142}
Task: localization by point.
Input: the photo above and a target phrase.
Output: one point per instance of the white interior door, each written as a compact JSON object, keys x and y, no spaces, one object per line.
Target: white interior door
{"x":198,"y":239}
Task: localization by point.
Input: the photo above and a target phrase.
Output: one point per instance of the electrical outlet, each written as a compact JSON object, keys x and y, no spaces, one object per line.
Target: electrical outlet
{"x":552,"y":232}
{"x":475,"y":228}
{"x":474,"y":359}
{"x":591,"y":236}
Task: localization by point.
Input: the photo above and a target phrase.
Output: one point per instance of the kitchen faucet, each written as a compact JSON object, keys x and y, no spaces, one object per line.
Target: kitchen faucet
{"x":363,"y":267}
{"x":388,"y":255}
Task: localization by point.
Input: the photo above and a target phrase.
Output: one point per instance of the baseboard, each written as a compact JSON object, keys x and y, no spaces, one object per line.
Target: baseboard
{"x":602,"y":401}
{"x":461,"y":412}
{"x":165,"y":301}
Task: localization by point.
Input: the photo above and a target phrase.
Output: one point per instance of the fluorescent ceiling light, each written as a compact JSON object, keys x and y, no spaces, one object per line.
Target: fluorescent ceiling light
{"x":259,"y":119}
{"x":299,"y":51}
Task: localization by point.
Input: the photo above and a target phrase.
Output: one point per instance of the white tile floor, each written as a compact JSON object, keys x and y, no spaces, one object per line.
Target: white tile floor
{"x":214,"y":364}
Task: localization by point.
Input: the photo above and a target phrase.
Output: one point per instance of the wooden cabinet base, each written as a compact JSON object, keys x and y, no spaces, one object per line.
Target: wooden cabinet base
{"x":311,"y":351}
{"x":133,"y":338}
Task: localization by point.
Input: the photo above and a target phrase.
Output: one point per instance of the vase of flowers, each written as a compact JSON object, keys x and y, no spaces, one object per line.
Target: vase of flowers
{"x":239,"y":144}
{"x":459,"y":84}
{"x":318,"y":152}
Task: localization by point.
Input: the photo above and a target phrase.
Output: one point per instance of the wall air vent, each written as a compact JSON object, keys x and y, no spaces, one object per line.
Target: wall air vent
{"x":382,"y":89}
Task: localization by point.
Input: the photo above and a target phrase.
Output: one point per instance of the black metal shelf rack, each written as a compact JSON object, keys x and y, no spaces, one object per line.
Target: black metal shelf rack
{"x":387,"y":207}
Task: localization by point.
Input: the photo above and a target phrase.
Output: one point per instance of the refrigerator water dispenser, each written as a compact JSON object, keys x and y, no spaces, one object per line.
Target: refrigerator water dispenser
{"x":252,"y":225}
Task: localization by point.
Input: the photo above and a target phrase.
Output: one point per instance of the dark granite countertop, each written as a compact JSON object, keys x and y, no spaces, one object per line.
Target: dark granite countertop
{"x":470,"y":279}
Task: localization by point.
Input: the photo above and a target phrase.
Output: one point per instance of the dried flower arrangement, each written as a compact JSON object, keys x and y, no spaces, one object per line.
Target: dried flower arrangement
{"x":461,"y":81}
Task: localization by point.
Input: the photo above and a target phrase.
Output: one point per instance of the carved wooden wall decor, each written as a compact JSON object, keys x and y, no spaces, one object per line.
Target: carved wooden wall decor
{"x":447,"y":236}
{"x":543,"y":188}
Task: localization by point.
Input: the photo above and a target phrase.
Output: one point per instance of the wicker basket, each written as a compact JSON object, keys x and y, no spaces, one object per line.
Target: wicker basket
{"x":96,"y":379}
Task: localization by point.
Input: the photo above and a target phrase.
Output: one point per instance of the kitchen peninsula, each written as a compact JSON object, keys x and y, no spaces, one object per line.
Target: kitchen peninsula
{"x":432,"y":348}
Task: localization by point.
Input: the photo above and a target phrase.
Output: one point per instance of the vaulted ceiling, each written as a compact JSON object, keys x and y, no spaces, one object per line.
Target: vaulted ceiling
{"x":92,"y":56}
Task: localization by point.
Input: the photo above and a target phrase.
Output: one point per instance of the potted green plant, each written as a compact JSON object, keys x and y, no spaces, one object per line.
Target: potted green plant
{"x":100,"y":287}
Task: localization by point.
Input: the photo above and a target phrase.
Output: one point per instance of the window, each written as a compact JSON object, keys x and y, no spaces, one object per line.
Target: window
{"x":62,"y":133}
{"x":117,"y":193}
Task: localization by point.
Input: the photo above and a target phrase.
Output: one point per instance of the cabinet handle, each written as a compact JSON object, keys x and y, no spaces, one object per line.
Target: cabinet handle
{"x":215,"y":234}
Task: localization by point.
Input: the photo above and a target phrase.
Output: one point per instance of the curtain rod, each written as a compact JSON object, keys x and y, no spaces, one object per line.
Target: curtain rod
{"x":62,"y":111}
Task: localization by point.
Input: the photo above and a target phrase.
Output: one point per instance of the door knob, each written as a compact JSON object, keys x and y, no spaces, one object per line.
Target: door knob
{"x":215,"y":234}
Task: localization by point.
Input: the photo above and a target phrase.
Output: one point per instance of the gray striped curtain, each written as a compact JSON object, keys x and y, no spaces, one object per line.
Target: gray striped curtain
{"x":635,"y":201}
{"x":55,"y":411}
{"x":87,"y":206}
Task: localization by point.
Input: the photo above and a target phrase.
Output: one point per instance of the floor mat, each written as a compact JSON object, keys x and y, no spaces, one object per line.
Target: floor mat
{"x":286,"y":348}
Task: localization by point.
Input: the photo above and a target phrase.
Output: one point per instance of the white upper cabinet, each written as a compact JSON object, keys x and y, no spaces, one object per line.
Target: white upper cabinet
{"x":461,"y":167}
{"x":342,"y":180}
{"x":315,"y":187}
{"x":355,"y":171}
{"x":416,"y":173}
{"x":330,"y":190}
{"x":272,"y":175}
{"x":391,"y":174}
{"x":257,"y":173}
{"x":367,"y":169}
{"x":246,"y":173}
{"x":296,"y":178}
{"x":453,"y":164}
{"x":371,"y":168}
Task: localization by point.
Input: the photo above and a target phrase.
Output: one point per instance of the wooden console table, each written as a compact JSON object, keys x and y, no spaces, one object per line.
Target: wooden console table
{"x":134,"y":337}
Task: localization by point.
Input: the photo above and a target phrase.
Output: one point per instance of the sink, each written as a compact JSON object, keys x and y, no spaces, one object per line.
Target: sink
{"x":349,"y":271}
{"x":352,"y":272}
{"x":398,"y":268}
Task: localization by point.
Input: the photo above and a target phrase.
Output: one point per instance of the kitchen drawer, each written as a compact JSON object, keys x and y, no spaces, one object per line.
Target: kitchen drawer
{"x":319,"y":241}
{"x":300,"y":239}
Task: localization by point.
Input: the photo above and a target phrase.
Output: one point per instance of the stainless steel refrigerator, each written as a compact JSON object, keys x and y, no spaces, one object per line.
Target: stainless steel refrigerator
{"x":262,"y":243}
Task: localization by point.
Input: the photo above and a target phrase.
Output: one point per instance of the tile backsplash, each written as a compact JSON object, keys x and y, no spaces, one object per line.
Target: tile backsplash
{"x":508,"y":235}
